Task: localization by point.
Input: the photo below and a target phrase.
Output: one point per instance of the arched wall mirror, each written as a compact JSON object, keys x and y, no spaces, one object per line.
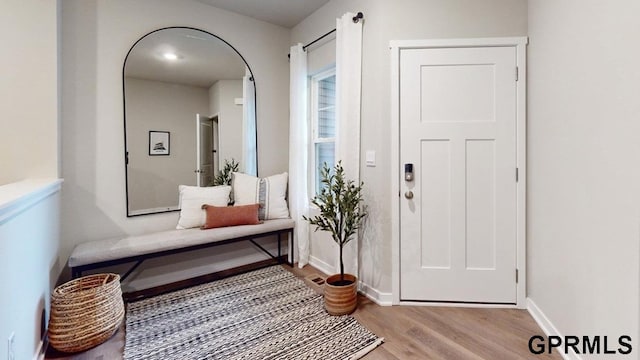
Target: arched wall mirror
{"x":189,"y":106}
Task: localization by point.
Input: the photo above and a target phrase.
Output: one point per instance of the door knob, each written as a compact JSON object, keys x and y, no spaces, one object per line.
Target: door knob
{"x":409,"y":194}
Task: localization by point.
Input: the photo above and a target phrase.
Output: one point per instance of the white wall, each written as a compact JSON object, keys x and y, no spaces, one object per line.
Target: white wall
{"x":29,"y":148}
{"x":153,"y":105}
{"x":96,"y":36}
{"x":223,"y":94}
{"x":28,"y":90}
{"x":396,"y":20}
{"x":29,"y":267}
{"x":583,"y":155}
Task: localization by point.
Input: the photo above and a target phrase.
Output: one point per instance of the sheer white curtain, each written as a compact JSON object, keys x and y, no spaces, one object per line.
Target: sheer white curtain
{"x":298,"y":150}
{"x":348,"y":91}
{"x":249,"y":127}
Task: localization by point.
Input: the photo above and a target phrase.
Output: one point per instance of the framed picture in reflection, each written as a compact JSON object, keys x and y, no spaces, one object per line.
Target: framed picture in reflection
{"x":159,"y":143}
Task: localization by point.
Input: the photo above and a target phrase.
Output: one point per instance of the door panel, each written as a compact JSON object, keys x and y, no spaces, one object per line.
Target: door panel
{"x":205,"y":151}
{"x":480,"y":201}
{"x":475,"y":83}
{"x":458,"y":128}
{"x":435,"y":203}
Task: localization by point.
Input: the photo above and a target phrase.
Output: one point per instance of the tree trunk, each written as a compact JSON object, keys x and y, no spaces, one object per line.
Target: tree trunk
{"x":341,"y":266}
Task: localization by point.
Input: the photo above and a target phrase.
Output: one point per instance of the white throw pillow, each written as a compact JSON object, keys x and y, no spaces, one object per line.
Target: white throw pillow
{"x":269,"y":192}
{"x":193,"y":197}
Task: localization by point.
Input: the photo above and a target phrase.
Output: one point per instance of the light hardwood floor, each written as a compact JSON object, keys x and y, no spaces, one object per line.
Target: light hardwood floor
{"x":411,"y":332}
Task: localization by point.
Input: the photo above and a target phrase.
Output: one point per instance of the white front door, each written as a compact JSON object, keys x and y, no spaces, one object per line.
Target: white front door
{"x":458,"y":214}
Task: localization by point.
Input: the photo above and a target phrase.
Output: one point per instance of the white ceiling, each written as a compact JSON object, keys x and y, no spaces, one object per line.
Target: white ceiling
{"x":202,"y":60}
{"x":285,"y":13}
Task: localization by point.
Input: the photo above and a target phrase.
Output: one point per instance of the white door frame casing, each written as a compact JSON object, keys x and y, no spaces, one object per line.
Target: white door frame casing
{"x":520,"y":43}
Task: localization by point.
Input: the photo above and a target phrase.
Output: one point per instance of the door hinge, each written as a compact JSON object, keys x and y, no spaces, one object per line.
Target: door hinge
{"x":517,"y":73}
{"x":126,"y":158}
{"x":517,"y":175}
{"x":516,"y":276}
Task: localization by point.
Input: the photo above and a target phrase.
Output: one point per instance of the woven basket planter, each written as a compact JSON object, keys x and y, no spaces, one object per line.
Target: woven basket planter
{"x":340,"y":299}
{"x":85,"y":312}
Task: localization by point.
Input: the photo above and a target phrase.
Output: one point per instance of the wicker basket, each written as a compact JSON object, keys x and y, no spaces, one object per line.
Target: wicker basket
{"x":85,"y":312}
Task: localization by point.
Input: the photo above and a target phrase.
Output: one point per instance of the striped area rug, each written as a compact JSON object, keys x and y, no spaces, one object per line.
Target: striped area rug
{"x":264,"y":314}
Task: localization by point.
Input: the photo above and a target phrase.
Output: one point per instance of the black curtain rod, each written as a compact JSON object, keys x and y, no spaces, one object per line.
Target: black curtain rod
{"x":355,"y":19}
{"x":318,"y":39}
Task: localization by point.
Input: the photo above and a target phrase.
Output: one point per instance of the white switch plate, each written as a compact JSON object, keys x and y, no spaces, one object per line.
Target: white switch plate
{"x":371,"y":158}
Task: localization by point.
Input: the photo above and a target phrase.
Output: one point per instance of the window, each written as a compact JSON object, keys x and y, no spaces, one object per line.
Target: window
{"x":323,"y":123}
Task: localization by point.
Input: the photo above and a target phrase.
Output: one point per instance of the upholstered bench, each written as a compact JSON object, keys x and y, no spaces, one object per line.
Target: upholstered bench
{"x":120,"y":250}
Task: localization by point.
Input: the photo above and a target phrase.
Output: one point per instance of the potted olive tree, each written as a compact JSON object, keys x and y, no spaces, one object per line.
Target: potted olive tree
{"x":224,"y":175}
{"x":341,"y":214}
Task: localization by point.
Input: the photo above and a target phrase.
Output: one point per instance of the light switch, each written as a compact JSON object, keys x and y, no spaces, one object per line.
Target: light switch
{"x":371,"y":158}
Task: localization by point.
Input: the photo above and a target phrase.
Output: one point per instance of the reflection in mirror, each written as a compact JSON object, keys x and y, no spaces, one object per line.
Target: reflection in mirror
{"x":198,"y":90}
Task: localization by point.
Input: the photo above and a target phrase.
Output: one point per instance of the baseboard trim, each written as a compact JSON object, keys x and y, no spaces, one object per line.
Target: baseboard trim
{"x":548,"y":328}
{"x":321,"y":265}
{"x":380,"y":298}
{"x":42,"y":349}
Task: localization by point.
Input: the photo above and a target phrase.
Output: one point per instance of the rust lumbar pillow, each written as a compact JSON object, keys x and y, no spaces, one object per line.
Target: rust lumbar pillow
{"x":221,"y":216}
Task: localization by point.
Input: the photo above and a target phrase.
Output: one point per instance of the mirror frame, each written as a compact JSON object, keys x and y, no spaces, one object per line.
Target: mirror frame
{"x":124,"y":111}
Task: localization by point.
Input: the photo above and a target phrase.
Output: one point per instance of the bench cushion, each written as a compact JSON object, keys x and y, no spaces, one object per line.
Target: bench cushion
{"x":122,"y":247}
